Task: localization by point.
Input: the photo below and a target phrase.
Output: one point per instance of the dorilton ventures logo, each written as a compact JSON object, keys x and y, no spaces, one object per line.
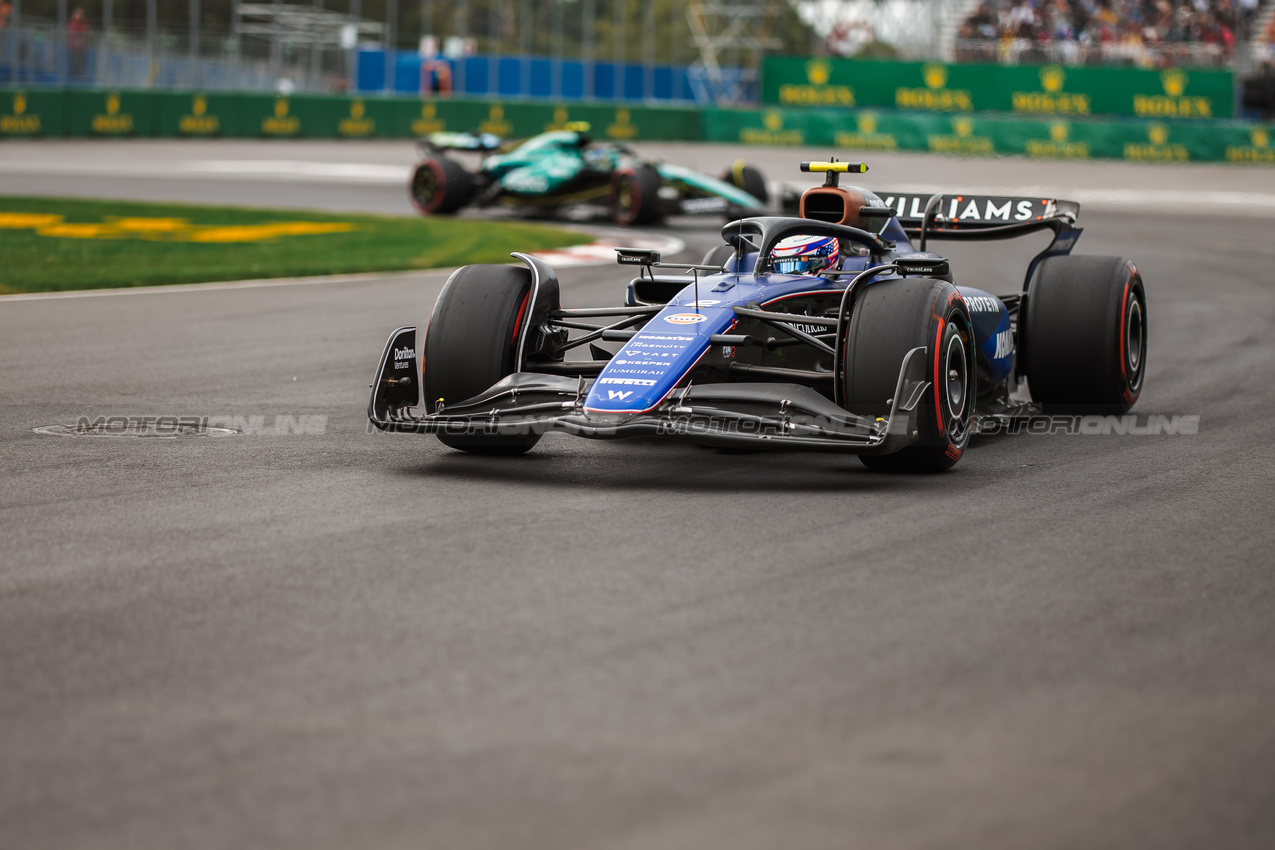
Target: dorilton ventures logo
{"x":1058,"y":145}
{"x":817,"y":92}
{"x":281,"y":123}
{"x":1158,"y":150}
{"x":1259,"y":152}
{"x":198,"y":122}
{"x":21,"y":122}
{"x":866,"y":136}
{"x":1173,"y":103}
{"x":962,"y":140}
{"x":935,"y":97}
{"x":773,"y":132}
{"x":1051,"y":100}
{"x":495,"y":123}
{"x":357,"y":125}
{"x":113,"y":123}
{"x":429,"y":121}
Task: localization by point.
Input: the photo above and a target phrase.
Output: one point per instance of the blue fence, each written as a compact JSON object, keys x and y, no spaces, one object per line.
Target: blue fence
{"x":540,"y":77}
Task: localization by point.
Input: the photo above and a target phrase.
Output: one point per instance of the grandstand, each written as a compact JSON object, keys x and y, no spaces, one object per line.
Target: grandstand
{"x":1140,"y":33}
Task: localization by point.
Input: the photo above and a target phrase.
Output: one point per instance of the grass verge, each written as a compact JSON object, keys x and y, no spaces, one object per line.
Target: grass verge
{"x":55,"y":244}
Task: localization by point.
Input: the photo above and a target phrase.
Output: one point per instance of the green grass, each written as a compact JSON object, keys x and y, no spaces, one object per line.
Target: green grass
{"x":30,"y":262}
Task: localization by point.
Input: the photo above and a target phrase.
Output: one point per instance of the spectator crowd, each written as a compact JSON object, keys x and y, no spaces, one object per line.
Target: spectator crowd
{"x":1145,"y":33}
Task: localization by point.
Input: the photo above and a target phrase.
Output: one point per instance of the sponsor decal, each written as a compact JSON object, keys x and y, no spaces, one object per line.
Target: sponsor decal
{"x":704,"y":205}
{"x":281,"y":123}
{"x":1052,"y":100}
{"x":429,"y":121}
{"x":818,"y":92}
{"x":627,"y":362}
{"x":703,"y":302}
{"x":622,"y":129}
{"x":1058,"y":145}
{"x":1173,"y":103}
{"x":935,"y":97}
{"x":642,"y":338}
{"x":1159,"y":149}
{"x":866,"y":136}
{"x":496,"y":123}
{"x":357,"y":125}
{"x":403,"y":356}
{"x":1259,"y":153}
{"x":199,"y":122}
{"x":21,"y":122}
{"x":982,"y":304}
{"x":629,"y":382}
{"x":114,"y":122}
{"x":962,"y":140}
{"x":774,"y":132}
{"x":1004,"y":344}
{"x":619,"y":395}
{"x":970,"y":209}
{"x":686,"y":318}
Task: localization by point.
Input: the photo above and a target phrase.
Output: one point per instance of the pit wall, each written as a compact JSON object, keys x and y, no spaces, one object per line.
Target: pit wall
{"x":845,"y":131}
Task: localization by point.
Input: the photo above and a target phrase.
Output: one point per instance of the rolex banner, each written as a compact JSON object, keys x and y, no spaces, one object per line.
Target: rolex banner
{"x":851,"y":133}
{"x":1024,"y":90}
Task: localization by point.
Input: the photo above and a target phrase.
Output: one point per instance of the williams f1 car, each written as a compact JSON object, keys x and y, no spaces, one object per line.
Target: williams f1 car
{"x":567,"y":168}
{"x":828,"y":331}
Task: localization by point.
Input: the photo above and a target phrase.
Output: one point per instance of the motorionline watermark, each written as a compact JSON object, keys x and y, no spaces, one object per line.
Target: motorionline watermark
{"x":1128,"y":425}
{"x":253,"y":425}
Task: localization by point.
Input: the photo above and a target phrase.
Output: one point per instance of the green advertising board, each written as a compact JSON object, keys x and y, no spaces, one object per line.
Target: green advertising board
{"x":1171,"y":94}
{"x":274,"y":117}
{"x":196,"y":114}
{"x":857,"y":133}
{"x":110,"y":113}
{"x":39,"y":112}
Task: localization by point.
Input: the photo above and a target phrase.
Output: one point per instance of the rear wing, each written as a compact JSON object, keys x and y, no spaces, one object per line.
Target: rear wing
{"x":976,"y":217}
{"x":952,"y":216}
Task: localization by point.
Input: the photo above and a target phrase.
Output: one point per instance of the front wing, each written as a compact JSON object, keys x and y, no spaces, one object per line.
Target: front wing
{"x":741,"y":415}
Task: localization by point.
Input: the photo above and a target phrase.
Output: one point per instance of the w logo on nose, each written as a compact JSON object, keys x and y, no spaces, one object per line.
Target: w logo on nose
{"x":622,"y":395}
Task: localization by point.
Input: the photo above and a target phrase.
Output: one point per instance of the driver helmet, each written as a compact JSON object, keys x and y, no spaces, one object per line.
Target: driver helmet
{"x":804,"y":254}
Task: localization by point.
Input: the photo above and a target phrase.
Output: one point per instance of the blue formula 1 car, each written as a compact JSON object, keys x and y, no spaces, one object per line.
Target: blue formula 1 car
{"x":828,"y":331}
{"x":568,"y":169}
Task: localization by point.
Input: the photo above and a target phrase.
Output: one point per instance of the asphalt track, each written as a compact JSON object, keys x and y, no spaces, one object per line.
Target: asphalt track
{"x":339,"y":639}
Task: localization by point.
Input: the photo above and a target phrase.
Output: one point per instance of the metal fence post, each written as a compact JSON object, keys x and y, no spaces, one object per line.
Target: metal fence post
{"x":648,"y":52}
{"x":389,"y":39}
{"x":61,"y":44}
{"x":621,"y":12}
{"x":524,"y":39}
{"x":195,"y":76}
{"x":152,"y":27}
{"x":588,"y":23}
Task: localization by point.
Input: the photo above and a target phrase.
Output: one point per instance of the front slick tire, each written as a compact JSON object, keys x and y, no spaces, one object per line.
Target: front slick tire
{"x":890,"y":319}
{"x":472,"y":342}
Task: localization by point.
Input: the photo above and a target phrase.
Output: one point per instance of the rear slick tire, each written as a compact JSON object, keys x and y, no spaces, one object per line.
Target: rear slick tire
{"x":440,"y":186}
{"x":1083,"y":336}
{"x":472,"y":342}
{"x":892,"y":318}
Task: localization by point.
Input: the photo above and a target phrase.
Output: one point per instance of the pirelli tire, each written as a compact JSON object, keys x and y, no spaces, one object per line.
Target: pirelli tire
{"x":472,"y":342}
{"x":890,"y":319}
{"x":1083,"y":335}
{"x":635,"y":195}
{"x":440,"y":186}
{"x":741,"y":175}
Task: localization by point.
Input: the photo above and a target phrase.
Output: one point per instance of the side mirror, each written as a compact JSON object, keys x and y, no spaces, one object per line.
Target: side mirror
{"x":636,"y":256}
{"x":923,"y":267}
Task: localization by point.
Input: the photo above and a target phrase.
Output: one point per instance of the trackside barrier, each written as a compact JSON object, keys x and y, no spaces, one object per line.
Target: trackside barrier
{"x":987,"y":135}
{"x":86,"y":113}
{"x":1022,"y":90}
{"x":109,"y":113}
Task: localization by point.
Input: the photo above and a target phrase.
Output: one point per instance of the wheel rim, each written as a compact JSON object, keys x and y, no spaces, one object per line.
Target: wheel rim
{"x":1133,"y":338}
{"x":957,"y":384}
{"x":426,"y":186}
